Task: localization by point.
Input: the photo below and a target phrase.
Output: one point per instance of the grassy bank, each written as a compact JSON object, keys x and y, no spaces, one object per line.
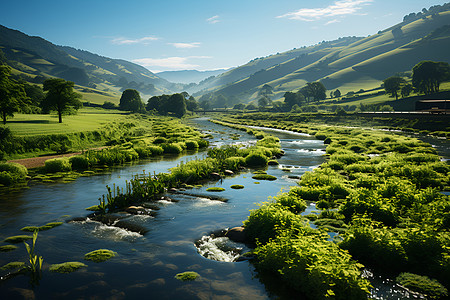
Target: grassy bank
{"x":380,"y":191}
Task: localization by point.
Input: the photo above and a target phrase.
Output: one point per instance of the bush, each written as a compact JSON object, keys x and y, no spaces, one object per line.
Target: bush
{"x":57,"y":165}
{"x":422,"y":284}
{"x":172,"y":148}
{"x":12,"y":172}
{"x":79,"y":163}
{"x":191,"y":145}
{"x":234,"y":163}
{"x":256,"y":159}
{"x":156,"y":150}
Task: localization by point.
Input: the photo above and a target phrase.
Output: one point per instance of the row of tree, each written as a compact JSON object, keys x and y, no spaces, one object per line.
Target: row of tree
{"x":427,"y":77}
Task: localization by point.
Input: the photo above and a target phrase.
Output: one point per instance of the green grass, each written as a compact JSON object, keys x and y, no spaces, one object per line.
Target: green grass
{"x":87,"y":119}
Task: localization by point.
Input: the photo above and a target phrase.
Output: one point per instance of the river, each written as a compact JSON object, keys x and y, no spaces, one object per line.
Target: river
{"x":145,"y":265}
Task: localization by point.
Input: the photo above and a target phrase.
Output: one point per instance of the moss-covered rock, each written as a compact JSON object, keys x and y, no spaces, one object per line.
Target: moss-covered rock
{"x":17,"y":239}
{"x":423,"y":285}
{"x":215,"y":189}
{"x":100,"y":255}
{"x":7,"y":248}
{"x":13,"y":265}
{"x":264,"y":177}
{"x":187,"y":276}
{"x":50,"y":225}
{"x":67,"y":267}
{"x":237,"y":186}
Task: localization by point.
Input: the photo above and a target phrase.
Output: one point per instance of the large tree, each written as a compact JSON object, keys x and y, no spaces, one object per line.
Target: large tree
{"x":314,"y":90}
{"x":60,"y":96}
{"x":392,"y":85}
{"x":131,"y":101}
{"x":12,"y":94}
{"x":428,"y":75}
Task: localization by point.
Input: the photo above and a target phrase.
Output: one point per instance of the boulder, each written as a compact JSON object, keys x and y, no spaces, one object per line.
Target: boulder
{"x":215,"y":175}
{"x":228,"y":172}
{"x":236,"y":234}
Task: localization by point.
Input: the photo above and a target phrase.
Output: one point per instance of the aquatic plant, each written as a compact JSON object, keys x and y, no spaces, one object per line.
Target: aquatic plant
{"x":34,"y":261}
{"x":264,"y":177}
{"x":17,"y":239}
{"x":7,"y":248}
{"x":67,"y":267}
{"x":13,"y":265}
{"x":237,"y":186}
{"x":215,"y":189}
{"x":100,"y":255}
{"x":187,"y":276}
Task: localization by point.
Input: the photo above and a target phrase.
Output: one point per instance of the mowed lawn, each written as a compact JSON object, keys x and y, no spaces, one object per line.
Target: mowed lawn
{"x":87,"y":119}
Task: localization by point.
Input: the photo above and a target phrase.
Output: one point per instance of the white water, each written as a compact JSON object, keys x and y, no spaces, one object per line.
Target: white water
{"x":219,"y":248}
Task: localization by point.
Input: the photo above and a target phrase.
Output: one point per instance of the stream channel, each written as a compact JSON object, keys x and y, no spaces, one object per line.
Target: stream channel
{"x":145,"y":265}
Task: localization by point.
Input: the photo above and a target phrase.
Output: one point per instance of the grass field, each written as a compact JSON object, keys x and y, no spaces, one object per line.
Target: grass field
{"x":87,"y":119}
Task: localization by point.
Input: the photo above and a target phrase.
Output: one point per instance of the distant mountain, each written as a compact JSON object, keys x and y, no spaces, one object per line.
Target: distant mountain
{"x":36,"y":57}
{"x":348,"y":63}
{"x":188,"y":76}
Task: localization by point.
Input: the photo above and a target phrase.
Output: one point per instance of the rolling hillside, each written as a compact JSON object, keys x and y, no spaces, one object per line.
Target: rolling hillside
{"x":34,"y":56}
{"x":188,"y":76}
{"x":349,"y":64}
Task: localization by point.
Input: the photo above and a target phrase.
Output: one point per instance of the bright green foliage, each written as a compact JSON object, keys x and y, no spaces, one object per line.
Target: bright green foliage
{"x":35,"y":261}
{"x":11,"y":173}
{"x":7,"y":248}
{"x":256,"y":159}
{"x":264,"y":177}
{"x":422,"y":284}
{"x":100,"y":255}
{"x":57,"y":165}
{"x":17,"y":239}
{"x":67,"y":267}
{"x":13,"y":265}
{"x":187,"y":276}
{"x":393,"y":85}
{"x":79,"y":163}
{"x":215,"y":189}
{"x":291,"y":201}
{"x":237,"y":186}
{"x":309,"y":264}
{"x":60,"y":96}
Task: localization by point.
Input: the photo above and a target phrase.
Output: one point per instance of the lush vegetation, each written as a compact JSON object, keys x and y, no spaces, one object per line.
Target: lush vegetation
{"x":380,"y":191}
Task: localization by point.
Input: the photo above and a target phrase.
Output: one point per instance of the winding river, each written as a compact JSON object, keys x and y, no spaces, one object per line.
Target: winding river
{"x":146,"y":264}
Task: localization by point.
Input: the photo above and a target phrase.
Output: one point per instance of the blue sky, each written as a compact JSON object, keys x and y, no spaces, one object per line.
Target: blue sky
{"x":178,"y":34}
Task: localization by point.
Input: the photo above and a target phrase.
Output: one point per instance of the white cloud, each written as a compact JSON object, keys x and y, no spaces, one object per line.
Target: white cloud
{"x":338,"y":8}
{"x":170,"y":63}
{"x":185,"y":45}
{"x":125,"y":41}
{"x":213,"y":20}
{"x":332,"y":22}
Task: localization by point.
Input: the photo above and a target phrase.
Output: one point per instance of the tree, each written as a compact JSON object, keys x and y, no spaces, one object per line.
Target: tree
{"x":392,"y":85}
{"x":428,"y":75}
{"x":131,"y":101}
{"x":177,"y":105}
{"x":239,"y":106}
{"x":60,"y":96}
{"x":290,"y":99}
{"x":315,"y":90}
{"x":263,"y":102}
{"x":337,"y":93}
{"x":12,"y":94}
{"x":191,"y":104}
{"x":406,"y":90}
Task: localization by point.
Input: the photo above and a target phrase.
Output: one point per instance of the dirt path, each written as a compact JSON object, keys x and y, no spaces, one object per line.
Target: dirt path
{"x":36,"y":162}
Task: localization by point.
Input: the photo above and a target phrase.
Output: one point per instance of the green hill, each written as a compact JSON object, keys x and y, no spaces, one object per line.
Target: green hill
{"x":349,"y":64}
{"x":34,"y":58}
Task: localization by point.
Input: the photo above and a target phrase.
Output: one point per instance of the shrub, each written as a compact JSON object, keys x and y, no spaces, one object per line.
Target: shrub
{"x":234,"y":163}
{"x":256,"y":159}
{"x":292,"y":202}
{"x":191,"y":145}
{"x":57,"y":165}
{"x":156,"y":150}
{"x":79,"y":163}
{"x":422,"y":284}
{"x":172,"y":148}
{"x":11,"y":173}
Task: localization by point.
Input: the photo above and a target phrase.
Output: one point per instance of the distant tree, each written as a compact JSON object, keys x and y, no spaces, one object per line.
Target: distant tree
{"x":290,"y":99}
{"x":191,"y":104}
{"x":250,"y":106}
{"x":60,"y":96}
{"x":12,"y":94}
{"x":109,"y":105}
{"x":263,"y":101}
{"x":131,"y":101}
{"x":239,"y":106}
{"x":205,"y":104}
{"x":392,"y":85}
{"x":296,"y":109}
{"x":266,"y":90}
{"x":406,"y":90}
{"x":337,"y":93}
{"x":314,"y":90}
{"x":185,"y":95}
{"x":428,"y":75}
{"x":177,"y":105}
{"x":220,"y":101}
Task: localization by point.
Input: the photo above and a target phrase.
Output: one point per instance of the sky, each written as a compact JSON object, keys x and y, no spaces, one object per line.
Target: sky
{"x":169,"y":35}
